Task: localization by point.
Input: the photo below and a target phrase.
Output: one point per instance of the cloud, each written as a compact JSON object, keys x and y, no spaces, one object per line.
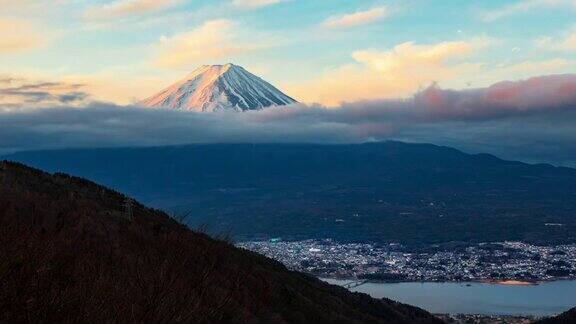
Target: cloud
{"x":12,"y":4}
{"x":514,"y":119}
{"x":510,"y":98}
{"x":416,"y":57}
{"x":525,"y":69}
{"x":356,"y":19}
{"x":252,"y":4}
{"x":18,"y":93}
{"x":535,"y":95}
{"x":117,"y":85}
{"x":398,"y":71}
{"x":524,"y":6}
{"x":125,"y":8}
{"x":18,"y":36}
{"x":566,"y":42}
{"x":214,"y":40}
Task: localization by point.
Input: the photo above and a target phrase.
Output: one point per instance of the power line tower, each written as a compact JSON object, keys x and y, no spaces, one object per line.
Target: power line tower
{"x":128,"y":209}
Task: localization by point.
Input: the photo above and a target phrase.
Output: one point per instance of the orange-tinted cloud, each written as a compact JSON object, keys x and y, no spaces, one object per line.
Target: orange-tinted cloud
{"x":126,"y":8}
{"x":523,"y":6}
{"x":565,"y":42}
{"x":18,"y":36}
{"x":399,"y":71}
{"x":356,"y":19}
{"x":213,"y":41}
{"x":115,"y":87}
{"x":8,"y":4}
{"x":252,"y":4}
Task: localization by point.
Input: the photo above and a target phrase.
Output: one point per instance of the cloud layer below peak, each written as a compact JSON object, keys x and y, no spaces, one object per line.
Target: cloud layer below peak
{"x":518,"y":120}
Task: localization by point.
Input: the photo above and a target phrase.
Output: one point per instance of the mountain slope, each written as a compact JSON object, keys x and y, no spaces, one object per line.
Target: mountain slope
{"x":219,"y":88}
{"x":70,"y":251}
{"x":384,"y":192}
{"x":568,"y":317}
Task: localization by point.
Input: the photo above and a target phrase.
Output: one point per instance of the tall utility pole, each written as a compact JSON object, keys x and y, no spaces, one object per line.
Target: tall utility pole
{"x":128,"y":209}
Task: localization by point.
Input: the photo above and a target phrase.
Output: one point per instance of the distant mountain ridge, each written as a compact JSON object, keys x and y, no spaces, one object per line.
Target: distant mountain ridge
{"x":383,"y":192}
{"x":213,"y":88}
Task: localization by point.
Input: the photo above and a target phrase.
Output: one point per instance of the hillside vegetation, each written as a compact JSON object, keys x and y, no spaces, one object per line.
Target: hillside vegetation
{"x":568,"y":317}
{"x":73,"y":251}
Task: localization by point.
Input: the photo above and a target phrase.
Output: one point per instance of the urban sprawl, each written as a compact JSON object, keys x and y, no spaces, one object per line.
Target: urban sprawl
{"x":479,"y":262}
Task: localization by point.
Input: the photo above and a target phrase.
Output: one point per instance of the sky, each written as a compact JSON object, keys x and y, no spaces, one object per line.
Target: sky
{"x":322,"y":51}
{"x":486,"y":76}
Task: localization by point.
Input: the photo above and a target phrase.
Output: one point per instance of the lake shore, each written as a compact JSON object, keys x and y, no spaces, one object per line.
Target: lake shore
{"x":488,"y":298}
{"x":507,"y":282}
{"x":503,"y":282}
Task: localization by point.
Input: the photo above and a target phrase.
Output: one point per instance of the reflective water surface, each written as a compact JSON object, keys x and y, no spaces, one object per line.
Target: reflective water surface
{"x":477,"y":298}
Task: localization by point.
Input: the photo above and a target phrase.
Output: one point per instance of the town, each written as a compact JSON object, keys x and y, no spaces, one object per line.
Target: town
{"x":500,"y":262}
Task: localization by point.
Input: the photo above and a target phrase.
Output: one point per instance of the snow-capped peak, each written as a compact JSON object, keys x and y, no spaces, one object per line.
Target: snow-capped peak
{"x":226,"y":87}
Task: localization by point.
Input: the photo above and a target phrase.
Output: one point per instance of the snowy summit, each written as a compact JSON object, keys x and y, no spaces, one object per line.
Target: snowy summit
{"x":219,"y":88}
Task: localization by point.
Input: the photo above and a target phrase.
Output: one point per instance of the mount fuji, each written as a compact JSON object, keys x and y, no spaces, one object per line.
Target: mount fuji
{"x":213,"y":88}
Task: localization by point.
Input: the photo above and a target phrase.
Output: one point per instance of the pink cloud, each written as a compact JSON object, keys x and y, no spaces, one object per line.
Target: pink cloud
{"x":538,"y":94}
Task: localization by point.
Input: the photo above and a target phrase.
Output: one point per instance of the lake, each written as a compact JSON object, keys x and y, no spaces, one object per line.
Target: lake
{"x":477,"y":298}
